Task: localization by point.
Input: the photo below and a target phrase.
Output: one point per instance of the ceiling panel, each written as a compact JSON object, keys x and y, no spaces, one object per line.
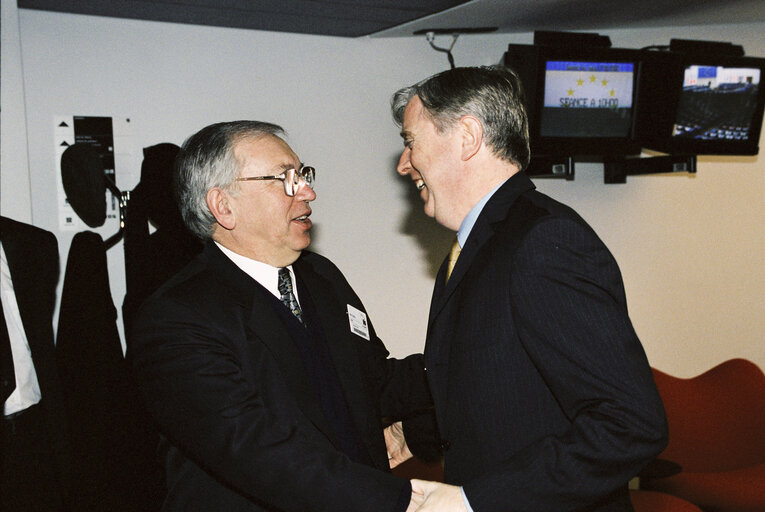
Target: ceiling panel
{"x":527,"y":16}
{"x":398,"y":18}
{"x":349,"y":18}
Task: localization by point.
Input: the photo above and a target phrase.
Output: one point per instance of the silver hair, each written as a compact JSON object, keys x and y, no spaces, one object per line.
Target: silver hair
{"x":206,"y":160}
{"x":492,"y":94}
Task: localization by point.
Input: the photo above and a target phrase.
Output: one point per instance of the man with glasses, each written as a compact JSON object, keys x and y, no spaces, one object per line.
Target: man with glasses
{"x":257,"y":361}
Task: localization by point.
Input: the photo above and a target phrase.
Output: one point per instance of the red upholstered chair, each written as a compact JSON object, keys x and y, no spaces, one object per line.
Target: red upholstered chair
{"x":716,"y":436}
{"x":652,"y":501}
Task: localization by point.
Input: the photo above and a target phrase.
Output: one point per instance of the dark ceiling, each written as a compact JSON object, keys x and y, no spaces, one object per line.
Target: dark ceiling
{"x":348,"y":18}
{"x":400,"y":18}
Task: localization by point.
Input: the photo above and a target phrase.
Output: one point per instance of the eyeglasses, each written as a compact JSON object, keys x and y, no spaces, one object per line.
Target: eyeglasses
{"x":291,"y":178}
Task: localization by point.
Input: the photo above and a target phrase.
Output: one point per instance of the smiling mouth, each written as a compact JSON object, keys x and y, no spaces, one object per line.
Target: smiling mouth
{"x":303,"y":218}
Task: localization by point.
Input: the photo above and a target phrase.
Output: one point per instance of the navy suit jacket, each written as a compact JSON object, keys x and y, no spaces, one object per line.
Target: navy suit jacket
{"x":543,"y":395}
{"x":242,"y":426}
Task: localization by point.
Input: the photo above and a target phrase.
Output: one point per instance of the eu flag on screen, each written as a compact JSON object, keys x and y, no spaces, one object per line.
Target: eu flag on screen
{"x":707,"y":72}
{"x":588,"y":84}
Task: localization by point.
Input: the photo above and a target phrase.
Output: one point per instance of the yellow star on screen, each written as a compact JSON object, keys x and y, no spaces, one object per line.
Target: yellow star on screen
{"x":592,"y":79}
{"x":604,"y":82}
{"x":580,"y":82}
{"x":570,"y":92}
{"x":612,"y":93}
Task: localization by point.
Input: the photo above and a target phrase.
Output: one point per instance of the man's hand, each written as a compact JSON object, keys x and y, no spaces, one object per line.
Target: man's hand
{"x":438,"y":497}
{"x":398,"y":451}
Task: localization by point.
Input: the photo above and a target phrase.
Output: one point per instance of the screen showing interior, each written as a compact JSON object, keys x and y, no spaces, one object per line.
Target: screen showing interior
{"x":717,"y":103}
{"x":587,"y":99}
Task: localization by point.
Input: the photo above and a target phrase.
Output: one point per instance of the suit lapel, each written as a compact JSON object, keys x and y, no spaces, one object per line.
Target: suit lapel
{"x":496,"y":210}
{"x":441,"y":326}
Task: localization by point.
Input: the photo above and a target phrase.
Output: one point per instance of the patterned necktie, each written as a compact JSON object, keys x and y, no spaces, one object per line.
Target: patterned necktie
{"x":454,"y":253}
{"x":288,"y":298}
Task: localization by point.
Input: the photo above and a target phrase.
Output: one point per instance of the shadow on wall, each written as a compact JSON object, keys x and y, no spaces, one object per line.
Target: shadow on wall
{"x":434,"y":239}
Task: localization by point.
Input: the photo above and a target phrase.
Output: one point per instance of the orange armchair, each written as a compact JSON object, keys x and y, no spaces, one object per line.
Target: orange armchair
{"x":716,"y":438}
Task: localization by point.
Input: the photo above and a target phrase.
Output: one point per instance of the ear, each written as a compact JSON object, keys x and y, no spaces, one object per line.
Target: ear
{"x":219,"y":205}
{"x":472,"y":136}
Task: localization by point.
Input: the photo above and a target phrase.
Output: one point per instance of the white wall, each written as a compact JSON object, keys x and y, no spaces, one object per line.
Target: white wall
{"x":690,"y":248}
{"x":14,"y":167}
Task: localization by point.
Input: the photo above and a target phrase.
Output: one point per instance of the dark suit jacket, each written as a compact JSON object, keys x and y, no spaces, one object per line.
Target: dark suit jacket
{"x":242,"y":424}
{"x":32,"y":255}
{"x":543,"y":394}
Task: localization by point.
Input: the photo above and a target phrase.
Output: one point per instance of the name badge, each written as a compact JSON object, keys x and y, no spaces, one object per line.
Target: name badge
{"x":358,"y":321}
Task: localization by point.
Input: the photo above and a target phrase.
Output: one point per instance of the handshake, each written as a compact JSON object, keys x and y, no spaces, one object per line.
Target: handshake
{"x":426,"y":496}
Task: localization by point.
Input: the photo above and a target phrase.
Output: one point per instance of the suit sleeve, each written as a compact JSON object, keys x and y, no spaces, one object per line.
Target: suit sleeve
{"x":195,"y":390}
{"x":404,"y":395}
{"x":568,"y":302}
{"x":400,"y":384}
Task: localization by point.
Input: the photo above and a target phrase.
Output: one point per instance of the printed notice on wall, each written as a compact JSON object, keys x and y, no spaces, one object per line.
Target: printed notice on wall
{"x":110,"y":138}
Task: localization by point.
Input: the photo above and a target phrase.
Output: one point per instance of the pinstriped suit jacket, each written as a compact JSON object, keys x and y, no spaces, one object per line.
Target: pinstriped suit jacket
{"x":542,"y":391}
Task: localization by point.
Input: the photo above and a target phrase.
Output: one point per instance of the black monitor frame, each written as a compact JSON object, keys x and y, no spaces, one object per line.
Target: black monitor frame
{"x":663,"y":88}
{"x":529,"y":61}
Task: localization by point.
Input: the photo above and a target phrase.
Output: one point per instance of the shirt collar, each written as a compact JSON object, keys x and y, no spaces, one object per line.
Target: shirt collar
{"x":265,"y":274}
{"x":469,"y":221}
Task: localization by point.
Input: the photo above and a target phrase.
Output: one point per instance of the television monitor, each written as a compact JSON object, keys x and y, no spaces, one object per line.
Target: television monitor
{"x":587,"y":99}
{"x":713,"y":105}
{"x":580,"y":100}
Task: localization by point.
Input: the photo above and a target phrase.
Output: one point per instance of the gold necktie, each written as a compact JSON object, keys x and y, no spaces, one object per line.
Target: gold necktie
{"x":454,"y":253}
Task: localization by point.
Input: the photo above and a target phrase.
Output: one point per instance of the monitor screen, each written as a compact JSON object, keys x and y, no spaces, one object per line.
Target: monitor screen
{"x":717,"y":103}
{"x":587,"y":99}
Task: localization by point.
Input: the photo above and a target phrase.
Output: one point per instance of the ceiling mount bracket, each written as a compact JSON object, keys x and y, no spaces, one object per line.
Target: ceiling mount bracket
{"x":430,"y":35}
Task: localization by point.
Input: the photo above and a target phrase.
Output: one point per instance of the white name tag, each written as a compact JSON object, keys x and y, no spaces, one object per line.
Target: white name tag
{"x":358,"y":321}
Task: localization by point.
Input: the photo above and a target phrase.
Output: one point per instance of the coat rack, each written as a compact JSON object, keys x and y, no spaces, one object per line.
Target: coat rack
{"x":85,"y":185}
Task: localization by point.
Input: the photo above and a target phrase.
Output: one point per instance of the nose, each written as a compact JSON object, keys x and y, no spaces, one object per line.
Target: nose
{"x":304,"y":192}
{"x":404,"y":166}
